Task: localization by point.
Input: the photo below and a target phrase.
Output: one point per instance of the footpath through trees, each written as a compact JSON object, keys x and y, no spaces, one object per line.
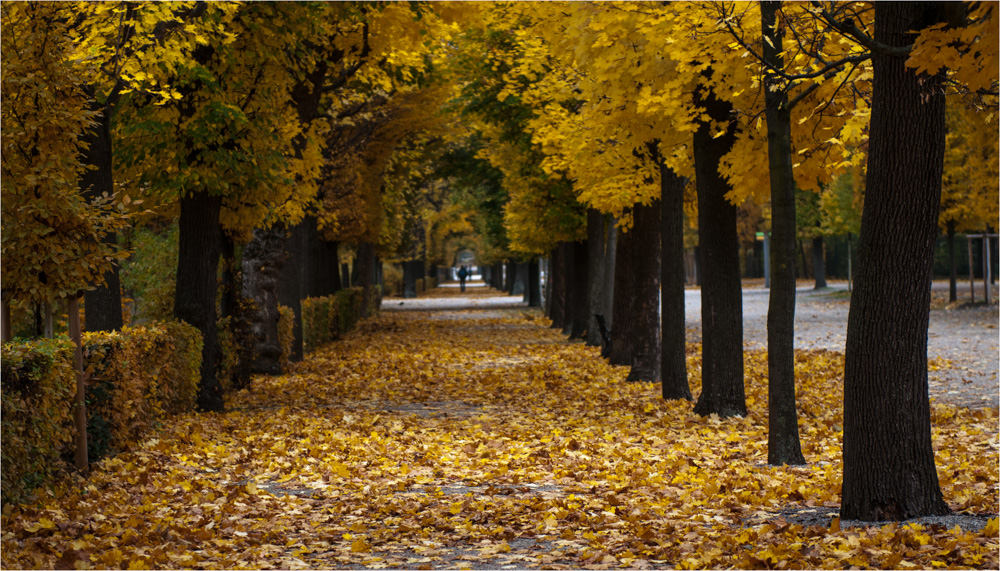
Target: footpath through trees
{"x":472,"y":435}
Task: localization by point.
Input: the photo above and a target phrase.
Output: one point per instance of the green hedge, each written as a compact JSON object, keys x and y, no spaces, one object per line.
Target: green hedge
{"x":37,"y":383}
{"x":138,"y":377}
{"x":326,"y":319}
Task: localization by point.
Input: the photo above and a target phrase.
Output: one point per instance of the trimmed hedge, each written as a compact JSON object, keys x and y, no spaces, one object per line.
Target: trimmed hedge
{"x":138,"y":376}
{"x":326,"y":319}
{"x":37,"y":383}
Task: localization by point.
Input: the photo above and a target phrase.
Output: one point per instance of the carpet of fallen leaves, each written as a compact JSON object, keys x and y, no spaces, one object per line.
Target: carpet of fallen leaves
{"x":484,"y":440}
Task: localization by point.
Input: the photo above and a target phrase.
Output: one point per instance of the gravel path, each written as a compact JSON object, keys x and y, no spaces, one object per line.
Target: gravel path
{"x":962,"y":339}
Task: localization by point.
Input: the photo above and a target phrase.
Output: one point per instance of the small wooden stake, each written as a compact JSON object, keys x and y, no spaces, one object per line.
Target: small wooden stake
{"x":81,"y":388}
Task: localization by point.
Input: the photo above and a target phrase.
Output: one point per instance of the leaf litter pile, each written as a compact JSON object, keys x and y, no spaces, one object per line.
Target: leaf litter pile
{"x":484,"y":440}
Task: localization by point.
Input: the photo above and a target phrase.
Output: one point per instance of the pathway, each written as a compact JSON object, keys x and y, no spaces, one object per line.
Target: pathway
{"x":480,"y":438}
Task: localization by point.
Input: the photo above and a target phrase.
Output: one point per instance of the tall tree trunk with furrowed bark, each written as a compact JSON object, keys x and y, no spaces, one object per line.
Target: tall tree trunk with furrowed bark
{"x":673,"y":354}
{"x":889,"y":471}
{"x":644,"y":309}
{"x":103,"y":304}
{"x":783,"y":429}
{"x":624,"y":290}
{"x":199,"y":250}
{"x":722,"y":390}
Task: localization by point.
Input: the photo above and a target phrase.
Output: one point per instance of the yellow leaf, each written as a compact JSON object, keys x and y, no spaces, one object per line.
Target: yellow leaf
{"x":360,"y":545}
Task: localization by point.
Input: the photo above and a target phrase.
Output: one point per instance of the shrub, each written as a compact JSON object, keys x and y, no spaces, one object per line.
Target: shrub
{"x":37,"y":382}
{"x":286,"y":333}
{"x":319,"y":321}
{"x":326,"y":319}
{"x":150,"y":273}
{"x":138,"y":376}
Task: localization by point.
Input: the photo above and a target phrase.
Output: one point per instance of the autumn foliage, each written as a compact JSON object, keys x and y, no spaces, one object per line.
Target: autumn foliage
{"x":449,"y":439}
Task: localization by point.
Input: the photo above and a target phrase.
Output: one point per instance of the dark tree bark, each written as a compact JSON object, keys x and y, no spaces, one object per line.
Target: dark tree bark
{"x":366,"y":277}
{"x":520,"y":279}
{"x":239,"y":311}
{"x":697,"y":265}
{"x":197,"y":270}
{"x":511,"y":278}
{"x":952,"y":270}
{"x":889,"y":471}
{"x":610,"y":258}
{"x":596,"y":244}
{"x":722,"y":390}
{"x":103,"y":304}
{"x":534,"y":291}
{"x":557,"y":279}
{"x":819,"y":263}
{"x":321,"y":263}
{"x":345,"y":275}
{"x":577,"y":293}
{"x":566,"y":253}
{"x":673,"y":356}
{"x":624,"y":292}
{"x":783,"y":428}
{"x":263,"y":260}
{"x":410,"y":271}
{"x":644,"y":309}
{"x":804,"y":274}
{"x":291,"y":286}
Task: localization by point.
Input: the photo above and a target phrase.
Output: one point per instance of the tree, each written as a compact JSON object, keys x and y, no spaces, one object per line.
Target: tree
{"x":54,"y":242}
{"x":783,"y":430}
{"x":889,"y":470}
{"x":722,"y":389}
{"x":221,"y":148}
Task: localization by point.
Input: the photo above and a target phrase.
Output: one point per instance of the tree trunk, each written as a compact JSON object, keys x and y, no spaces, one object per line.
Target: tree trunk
{"x":534,"y":284}
{"x":805,"y":266}
{"x":291,"y":286}
{"x":596,"y":244}
{"x":578,"y":289}
{"x":889,"y":471}
{"x":568,"y":285}
{"x":783,"y":428}
{"x":952,"y":270}
{"x":624,"y":294}
{"x":511,"y":277}
{"x":263,"y":260}
{"x":197,"y":270}
{"x":673,"y":356}
{"x":240,"y":313}
{"x":644,"y":311}
{"x":103,"y":304}
{"x":345,"y":275}
{"x":521,"y":279}
{"x":410,"y":269}
{"x":819,"y":264}
{"x":557,"y":279}
{"x":722,"y":390}
{"x":610,"y":257}
{"x":366,"y":277}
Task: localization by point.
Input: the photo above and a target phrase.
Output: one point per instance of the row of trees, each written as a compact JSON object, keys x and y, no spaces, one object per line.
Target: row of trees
{"x":270,"y":134}
{"x":645,"y":112}
{"x":274,"y":133}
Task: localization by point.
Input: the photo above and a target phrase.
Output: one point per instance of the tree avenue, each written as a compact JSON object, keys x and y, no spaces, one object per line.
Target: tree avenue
{"x":293,"y":150}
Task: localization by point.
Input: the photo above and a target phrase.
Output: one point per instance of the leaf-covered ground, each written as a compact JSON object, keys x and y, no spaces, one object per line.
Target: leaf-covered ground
{"x":482,"y":439}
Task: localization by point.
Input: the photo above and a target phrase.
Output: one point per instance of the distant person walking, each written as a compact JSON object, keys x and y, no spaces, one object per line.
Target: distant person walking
{"x":462,"y":274}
